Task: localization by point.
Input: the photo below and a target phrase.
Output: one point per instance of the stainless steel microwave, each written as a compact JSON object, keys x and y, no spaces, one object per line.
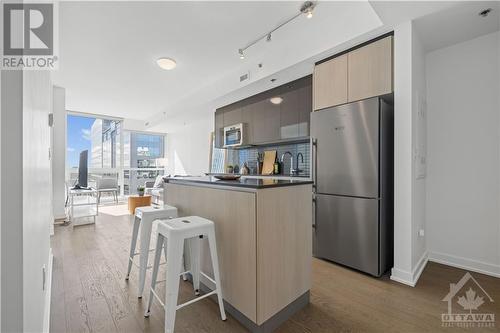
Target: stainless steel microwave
{"x":234,"y":135}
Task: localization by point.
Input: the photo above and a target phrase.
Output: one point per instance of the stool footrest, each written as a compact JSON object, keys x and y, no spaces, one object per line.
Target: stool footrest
{"x":157,"y":298}
{"x":208,"y":278}
{"x":148,"y":267}
{"x":137,"y":253}
{"x":160,"y":281}
{"x":180,"y":306}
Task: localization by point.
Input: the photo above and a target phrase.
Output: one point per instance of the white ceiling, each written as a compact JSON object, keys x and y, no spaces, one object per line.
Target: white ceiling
{"x":457,"y":24}
{"x":108,"y":49}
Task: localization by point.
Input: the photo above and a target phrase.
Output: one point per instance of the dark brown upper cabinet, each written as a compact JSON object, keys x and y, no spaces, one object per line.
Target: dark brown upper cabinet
{"x":266,"y":118}
{"x":305,"y":98}
{"x":232,"y":115}
{"x":247,"y":108}
{"x":296,"y":107}
{"x":279,"y":114}
{"x":219,"y":128}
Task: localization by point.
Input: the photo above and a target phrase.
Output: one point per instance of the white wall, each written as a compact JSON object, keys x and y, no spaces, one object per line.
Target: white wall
{"x":12,"y":201}
{"x":133,"y":125}
{"x":59,"y":151}
{"x":409,"y":193}
{"x":402,"y":153}
{"x":37,"y":193}
{"x":419,"y":102}
{"x":188,"y":148}
{"x":463,"y":218}
{"x":0,"y":202}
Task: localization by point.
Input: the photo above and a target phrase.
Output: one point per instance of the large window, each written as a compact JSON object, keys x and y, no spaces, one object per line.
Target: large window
{"x":133,"y":158}
{"x":105,"y":143}
{"x":145,"y":150}
{"x":217,"y":157}
{"x":79,"y":138}
{"x":144,"y":157}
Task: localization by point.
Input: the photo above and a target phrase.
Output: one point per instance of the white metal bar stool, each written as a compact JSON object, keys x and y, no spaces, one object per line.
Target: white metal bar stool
{"x":144,"y":217}
{"x":174,"y":232}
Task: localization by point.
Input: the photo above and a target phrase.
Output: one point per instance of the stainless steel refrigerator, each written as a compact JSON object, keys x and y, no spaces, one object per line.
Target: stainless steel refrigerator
{"x":353,"y":184}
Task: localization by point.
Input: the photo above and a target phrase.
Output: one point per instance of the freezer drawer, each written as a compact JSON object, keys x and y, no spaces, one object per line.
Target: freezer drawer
{"x":347,"y":232}
{"x":347,"y":149}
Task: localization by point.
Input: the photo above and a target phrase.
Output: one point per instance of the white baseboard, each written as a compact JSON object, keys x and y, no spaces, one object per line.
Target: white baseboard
{"x":48,"y":294}
{"x":410,"y":278}
{"x":402,"y":276}
{"x":419,"y":268}
{"x":466,"y":264}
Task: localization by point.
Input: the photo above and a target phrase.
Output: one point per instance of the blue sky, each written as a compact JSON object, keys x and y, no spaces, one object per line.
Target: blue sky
{"x":78,"y":131}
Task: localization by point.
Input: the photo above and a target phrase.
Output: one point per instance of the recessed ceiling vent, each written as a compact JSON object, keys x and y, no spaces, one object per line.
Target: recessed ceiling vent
{"x":244,"y":77}
{"x":485,"y":12}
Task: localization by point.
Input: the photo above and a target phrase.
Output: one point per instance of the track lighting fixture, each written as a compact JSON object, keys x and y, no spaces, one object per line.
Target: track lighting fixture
{"x":306,"y":8}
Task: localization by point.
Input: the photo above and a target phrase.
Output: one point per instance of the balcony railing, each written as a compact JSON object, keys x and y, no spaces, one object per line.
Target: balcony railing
{"x":128,"y":178}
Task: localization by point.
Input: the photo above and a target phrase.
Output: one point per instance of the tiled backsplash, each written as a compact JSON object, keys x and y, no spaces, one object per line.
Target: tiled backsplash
{"x":249,"y":155}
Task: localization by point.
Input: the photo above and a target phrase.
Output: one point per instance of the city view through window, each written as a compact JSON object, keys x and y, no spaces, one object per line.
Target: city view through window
{"x":131,"y":158}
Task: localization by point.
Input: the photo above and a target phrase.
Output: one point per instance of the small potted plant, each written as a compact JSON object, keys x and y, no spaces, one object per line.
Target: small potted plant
{"x":229,"y":169}
{"x":140,"y":190}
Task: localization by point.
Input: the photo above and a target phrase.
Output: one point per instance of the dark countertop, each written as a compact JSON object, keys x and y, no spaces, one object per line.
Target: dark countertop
{"x":242,"y":182}
{"x":282,"y":175}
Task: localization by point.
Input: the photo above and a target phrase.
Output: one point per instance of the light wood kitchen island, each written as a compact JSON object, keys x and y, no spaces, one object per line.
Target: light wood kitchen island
{"x":264,"y":242}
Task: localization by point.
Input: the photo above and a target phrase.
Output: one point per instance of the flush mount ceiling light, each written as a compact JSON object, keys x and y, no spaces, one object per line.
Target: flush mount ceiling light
{"x":166,"y":63}
{"x":485,"y":12}
{"x":305,"y":9}
{"x":276,"y":100}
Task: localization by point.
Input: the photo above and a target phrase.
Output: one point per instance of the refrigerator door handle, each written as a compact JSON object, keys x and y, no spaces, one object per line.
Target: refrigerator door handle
{"x":314,"y":212}
{"x":314,"y":145}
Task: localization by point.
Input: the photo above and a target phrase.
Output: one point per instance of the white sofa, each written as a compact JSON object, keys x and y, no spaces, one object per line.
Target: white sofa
{"x":155,"y":189}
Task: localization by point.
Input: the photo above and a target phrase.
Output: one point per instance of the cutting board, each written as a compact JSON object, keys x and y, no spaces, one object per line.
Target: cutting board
{"x":269,"y":158}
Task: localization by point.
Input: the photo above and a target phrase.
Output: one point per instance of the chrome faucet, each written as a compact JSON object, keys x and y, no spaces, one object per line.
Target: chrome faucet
{"x":291,"y":160}
{"x":297,"y":171}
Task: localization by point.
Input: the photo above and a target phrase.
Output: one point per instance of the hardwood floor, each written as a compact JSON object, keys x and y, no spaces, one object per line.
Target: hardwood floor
{"x":90,"y":294}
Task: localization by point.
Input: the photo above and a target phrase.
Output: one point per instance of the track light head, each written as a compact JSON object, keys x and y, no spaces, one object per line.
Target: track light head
{"x":307,"y":9}
{"x":242,"y":55}
{"x":268,"y":38}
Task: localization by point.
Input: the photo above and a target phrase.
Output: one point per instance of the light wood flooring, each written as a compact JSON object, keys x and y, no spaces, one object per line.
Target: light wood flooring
{"x":90,"y":294}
